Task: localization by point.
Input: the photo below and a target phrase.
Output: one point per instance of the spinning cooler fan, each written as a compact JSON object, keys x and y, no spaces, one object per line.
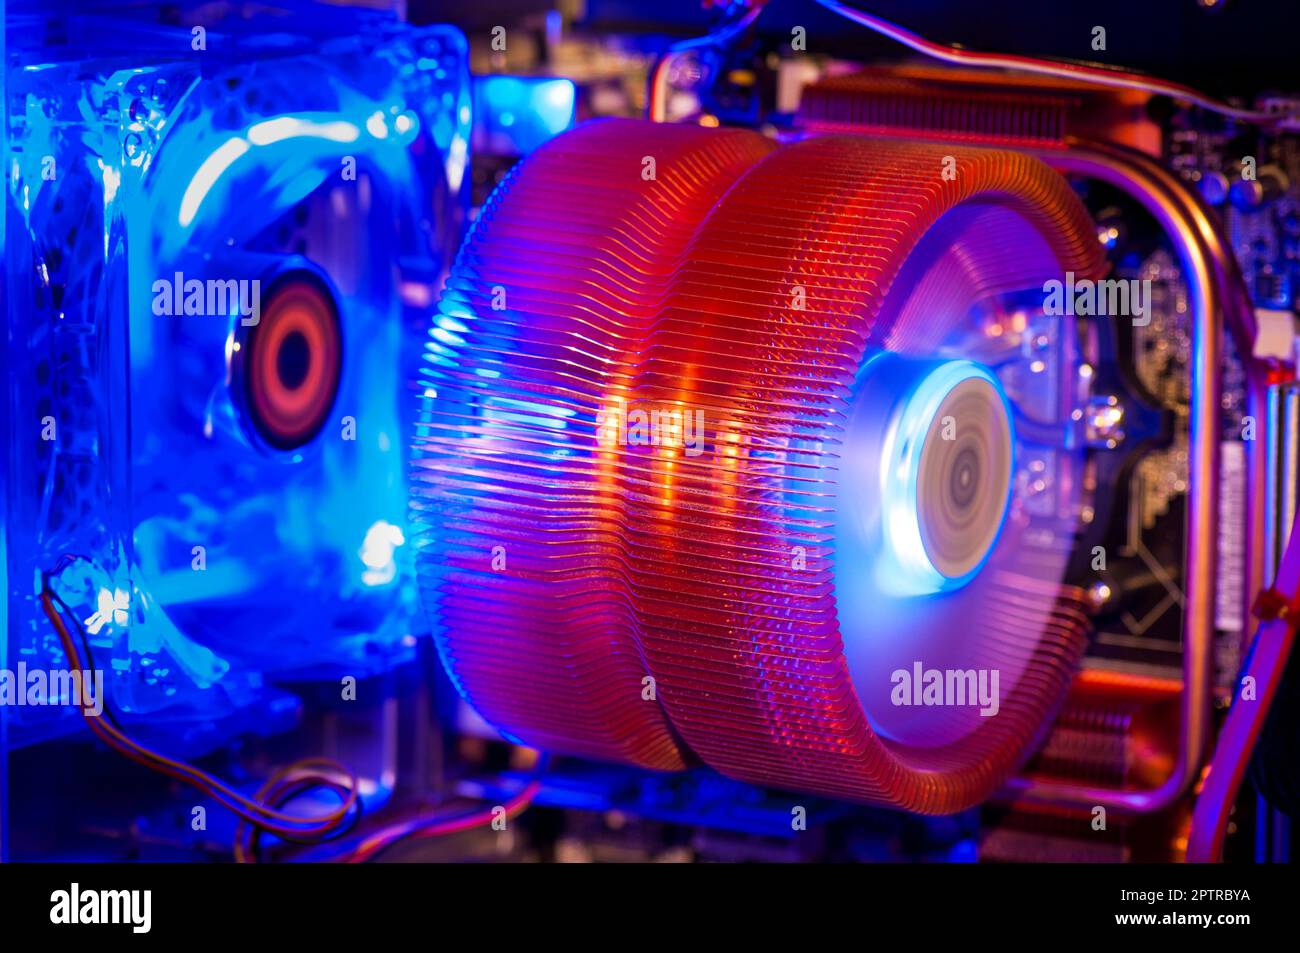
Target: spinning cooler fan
{"x":220,"y":253}
{"x":726,"y":447}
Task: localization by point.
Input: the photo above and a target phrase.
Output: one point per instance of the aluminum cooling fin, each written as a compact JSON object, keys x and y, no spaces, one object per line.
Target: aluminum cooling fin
{"x":523,"y":559}
{"x":713,"y":457}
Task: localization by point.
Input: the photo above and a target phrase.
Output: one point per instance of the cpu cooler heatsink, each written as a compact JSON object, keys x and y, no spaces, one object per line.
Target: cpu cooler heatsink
{"x":717,"y":447}
{"x":211,"y":263}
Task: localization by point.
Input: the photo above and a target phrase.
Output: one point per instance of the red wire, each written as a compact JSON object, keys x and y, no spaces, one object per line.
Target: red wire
{"x":261,"y":812}
{"x":262,"y":815}
{"x":426,"y":828}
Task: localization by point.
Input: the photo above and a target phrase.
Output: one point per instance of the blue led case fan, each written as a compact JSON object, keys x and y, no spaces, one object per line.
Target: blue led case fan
{"x":225,"y":500}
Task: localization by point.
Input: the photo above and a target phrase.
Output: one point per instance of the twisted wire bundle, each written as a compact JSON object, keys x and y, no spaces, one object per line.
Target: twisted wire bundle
{"x":693,"y":595}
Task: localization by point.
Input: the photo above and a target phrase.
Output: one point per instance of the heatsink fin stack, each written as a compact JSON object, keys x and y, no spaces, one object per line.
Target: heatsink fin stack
{"x":669,"y":389}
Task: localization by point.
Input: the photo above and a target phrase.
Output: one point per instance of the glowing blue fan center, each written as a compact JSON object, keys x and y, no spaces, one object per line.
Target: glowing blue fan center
{"x":911,"y":564}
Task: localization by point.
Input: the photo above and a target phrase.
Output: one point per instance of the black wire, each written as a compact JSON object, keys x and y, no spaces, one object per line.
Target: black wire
{"x":281,"y":797}
{"x":544,"y":764}
{"x":278,"y":799}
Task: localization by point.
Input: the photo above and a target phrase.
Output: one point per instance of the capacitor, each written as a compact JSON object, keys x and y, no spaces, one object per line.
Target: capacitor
{"x":1250,"y":194}
{"x":1214,"y":187}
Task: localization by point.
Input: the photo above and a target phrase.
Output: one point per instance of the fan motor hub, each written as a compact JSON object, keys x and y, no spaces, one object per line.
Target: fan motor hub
{"x":946,"y":468}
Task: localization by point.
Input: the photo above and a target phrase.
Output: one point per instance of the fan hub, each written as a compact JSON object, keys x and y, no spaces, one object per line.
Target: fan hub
{"x":946,"y":454}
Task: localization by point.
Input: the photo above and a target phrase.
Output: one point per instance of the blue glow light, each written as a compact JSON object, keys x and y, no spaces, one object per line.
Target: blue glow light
{"x":221,"y":159}
{"x":517,"y":114}
{"x":292,"y":130}
{"x":908,"y":569}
